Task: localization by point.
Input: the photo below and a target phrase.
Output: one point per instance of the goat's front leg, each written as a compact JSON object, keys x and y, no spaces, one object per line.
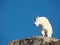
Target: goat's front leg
{"x":43,"y":33}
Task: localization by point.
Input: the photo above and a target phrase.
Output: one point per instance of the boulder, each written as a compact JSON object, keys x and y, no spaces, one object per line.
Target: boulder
{"x":36,"y":40}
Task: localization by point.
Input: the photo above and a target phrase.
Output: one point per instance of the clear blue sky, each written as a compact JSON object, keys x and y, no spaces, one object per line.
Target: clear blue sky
{"x":17,"y":18}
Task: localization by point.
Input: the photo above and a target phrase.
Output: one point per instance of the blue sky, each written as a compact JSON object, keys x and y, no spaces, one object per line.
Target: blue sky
{"x":17,"y":18}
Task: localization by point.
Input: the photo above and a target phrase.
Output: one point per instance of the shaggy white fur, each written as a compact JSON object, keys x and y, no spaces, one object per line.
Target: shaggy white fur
{"x":45,"y":26}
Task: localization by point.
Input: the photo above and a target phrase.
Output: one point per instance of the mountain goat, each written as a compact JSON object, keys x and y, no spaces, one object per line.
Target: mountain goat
{"x":45,"y":26}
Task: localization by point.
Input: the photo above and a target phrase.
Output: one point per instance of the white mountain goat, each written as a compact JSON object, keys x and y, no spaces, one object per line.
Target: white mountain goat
{"x":45,"y":26}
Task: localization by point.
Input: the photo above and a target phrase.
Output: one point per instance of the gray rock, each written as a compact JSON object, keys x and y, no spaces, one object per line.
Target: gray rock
{"x":36,"y":40}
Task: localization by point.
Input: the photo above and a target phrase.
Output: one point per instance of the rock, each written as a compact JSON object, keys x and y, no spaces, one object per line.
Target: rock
{"x":36,"y":40}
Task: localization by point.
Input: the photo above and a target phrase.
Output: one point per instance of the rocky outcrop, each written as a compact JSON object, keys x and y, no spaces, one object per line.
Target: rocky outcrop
{"x":37,"y":40}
